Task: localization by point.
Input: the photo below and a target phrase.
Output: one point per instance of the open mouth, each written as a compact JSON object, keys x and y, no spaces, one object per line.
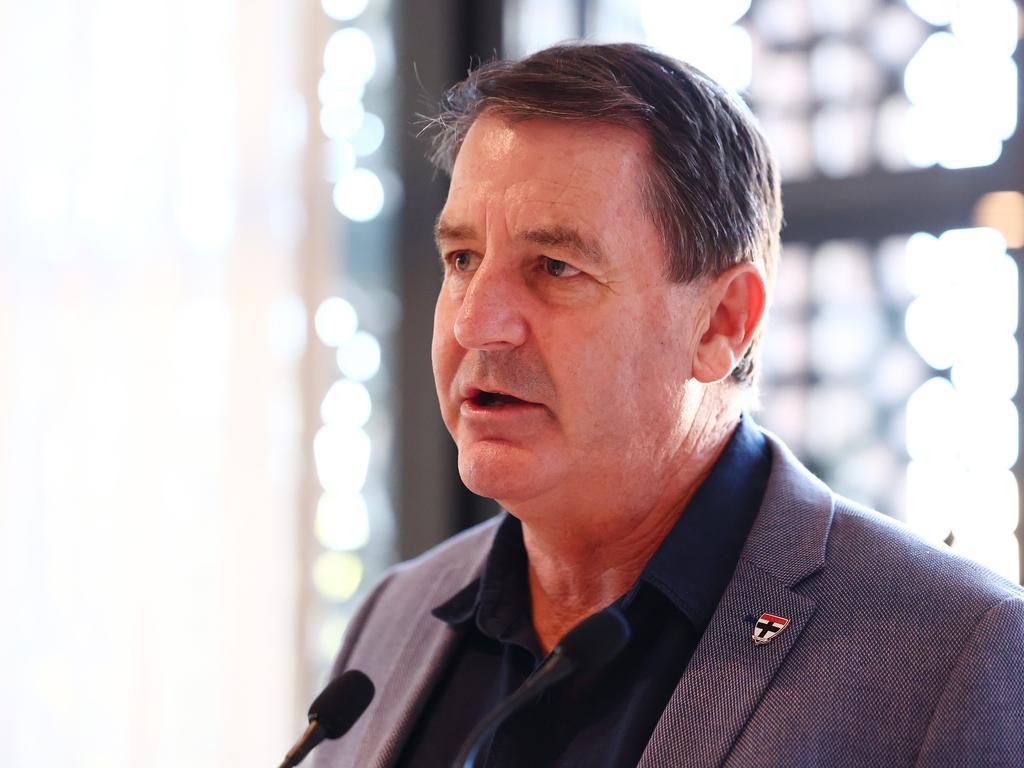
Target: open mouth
{"x":495,"y":400}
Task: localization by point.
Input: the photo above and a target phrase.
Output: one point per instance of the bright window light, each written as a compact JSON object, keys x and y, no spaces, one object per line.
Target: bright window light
{"x":962,"y":434}
{"x":987,"y":368}
{"x":986,"y":431}
{"x":929,"y":74}
{"x":659,"y":16}
{"x":936,"y":12}
{"x":992,"y":506}
{"x":700,"y":34}
{"x":968,"y":145}
{"x":932,"y":495}
{"x":979,"y":508}
{"x":922,"y":142}
{"x":998,"y":551}
{"x":965,"y":102}
{"x":931,"y":411}
{"x":928,"y":266}
{"x":933,"y":330}
{"x":988,"y":27}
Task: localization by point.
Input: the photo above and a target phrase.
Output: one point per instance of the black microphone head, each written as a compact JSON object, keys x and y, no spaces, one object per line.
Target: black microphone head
{"x":341,"y":703}
{"x":596,"y":640}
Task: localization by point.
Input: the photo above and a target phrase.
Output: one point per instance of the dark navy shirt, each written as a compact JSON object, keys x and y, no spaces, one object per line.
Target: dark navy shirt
{"x":606,"y":718}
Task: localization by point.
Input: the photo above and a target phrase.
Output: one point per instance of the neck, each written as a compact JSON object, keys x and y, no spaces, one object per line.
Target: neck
{"x":581,"y":564}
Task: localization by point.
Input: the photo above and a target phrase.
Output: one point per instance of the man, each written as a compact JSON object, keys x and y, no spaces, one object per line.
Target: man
{"x":608,"y":246}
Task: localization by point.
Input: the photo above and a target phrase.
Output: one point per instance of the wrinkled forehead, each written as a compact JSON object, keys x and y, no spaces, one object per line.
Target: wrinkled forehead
{"x":571,"y":187}
{"x":550,"y":160}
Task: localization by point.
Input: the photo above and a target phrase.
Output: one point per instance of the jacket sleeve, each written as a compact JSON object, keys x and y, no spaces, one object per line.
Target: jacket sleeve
{"x":979,"y":719}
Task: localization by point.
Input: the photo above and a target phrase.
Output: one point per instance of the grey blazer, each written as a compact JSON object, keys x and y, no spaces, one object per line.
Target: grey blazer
{"x":897,"y":653}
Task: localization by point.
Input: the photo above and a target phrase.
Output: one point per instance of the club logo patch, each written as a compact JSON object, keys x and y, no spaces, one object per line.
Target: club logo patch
{"x":767,"y":627}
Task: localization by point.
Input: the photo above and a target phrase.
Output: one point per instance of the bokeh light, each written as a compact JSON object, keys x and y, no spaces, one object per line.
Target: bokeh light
{"x":359,"y":195}
{"x":343,"y":10}
{"x":704,"y":35}
{"x":342,"y":458}
{"x":359,"y":357}
{"x":346,"y":403}
{"x":370,"y":135}
{"x":349,"y":54}
{"x":342,"y":522}
{"x":335,"y":321}
{"x":337,"y":575}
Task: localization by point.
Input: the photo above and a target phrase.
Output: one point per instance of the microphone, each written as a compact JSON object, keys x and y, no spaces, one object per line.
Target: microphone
{"x":586,"y":647}
{"x":332,"y":713}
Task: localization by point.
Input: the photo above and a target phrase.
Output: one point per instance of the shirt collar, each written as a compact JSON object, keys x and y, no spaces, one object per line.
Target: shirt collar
{"x":691,"y":567}
{"x":697,"y":558}
{"x":498,"y":599}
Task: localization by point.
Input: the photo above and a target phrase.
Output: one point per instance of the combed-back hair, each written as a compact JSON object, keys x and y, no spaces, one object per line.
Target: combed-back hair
{"x":712,"y":187}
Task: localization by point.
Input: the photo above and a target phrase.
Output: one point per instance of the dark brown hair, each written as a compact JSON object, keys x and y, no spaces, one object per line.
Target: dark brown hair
{"x":712,"y":188}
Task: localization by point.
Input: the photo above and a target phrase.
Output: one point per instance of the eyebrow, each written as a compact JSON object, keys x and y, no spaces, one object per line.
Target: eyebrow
{"x":444,"y":230}
{"x":553,"y":236}
{"x":570,"y":238}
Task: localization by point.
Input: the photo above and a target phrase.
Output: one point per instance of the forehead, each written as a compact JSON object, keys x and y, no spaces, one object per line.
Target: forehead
{"x":589,"y":172}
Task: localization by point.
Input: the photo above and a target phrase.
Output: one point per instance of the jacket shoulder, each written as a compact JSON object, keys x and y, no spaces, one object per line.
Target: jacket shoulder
{"x":464,"y":551}
{"x":883,"y":553}
{"x":405,"y":594}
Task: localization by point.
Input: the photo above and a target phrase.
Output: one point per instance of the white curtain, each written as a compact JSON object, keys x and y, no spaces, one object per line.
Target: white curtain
{"x":150,"y":335}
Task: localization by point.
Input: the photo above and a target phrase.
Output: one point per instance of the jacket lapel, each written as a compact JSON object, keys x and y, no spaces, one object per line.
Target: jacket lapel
{"x":405,"y":686}
{"x":728,"y":673}
{"x":406,"y":689}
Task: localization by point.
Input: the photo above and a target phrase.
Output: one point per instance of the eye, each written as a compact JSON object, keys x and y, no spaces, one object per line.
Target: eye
{"x":557,"y":268}
{"x":462,"y":261}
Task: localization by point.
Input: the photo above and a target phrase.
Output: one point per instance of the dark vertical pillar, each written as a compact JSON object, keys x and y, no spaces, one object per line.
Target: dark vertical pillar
{"x":436,"y":43}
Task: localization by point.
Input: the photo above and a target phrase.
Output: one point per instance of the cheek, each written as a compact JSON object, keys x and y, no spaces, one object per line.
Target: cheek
{"x":643,"y":370}
{"x":443,"y":348}
{"x":602,"y":377}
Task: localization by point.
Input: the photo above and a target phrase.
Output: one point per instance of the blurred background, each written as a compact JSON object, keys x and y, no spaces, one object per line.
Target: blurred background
{"x":217,"y":418}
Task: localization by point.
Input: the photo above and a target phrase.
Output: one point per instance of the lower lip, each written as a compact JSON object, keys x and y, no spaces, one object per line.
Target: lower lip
{"x":472,"y":410}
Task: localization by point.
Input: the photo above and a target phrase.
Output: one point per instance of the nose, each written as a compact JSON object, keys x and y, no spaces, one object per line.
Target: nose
{"x":491,"y":313}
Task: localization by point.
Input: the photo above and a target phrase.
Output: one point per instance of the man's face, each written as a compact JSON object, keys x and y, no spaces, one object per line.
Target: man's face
{"x":561,"y":352}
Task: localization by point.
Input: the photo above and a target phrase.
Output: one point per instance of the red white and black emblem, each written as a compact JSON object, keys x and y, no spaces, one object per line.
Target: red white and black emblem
{"x":767,"y":627}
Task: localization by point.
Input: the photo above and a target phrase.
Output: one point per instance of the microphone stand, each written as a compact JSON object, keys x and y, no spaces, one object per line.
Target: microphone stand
{"x":555,"y":669}
{"x":590,"y":645}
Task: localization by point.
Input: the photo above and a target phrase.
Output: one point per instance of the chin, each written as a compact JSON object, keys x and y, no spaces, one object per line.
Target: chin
{"x":502,"y":472}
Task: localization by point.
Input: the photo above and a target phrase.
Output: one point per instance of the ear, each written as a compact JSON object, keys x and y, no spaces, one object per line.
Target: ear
{"x":736,"y":303}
